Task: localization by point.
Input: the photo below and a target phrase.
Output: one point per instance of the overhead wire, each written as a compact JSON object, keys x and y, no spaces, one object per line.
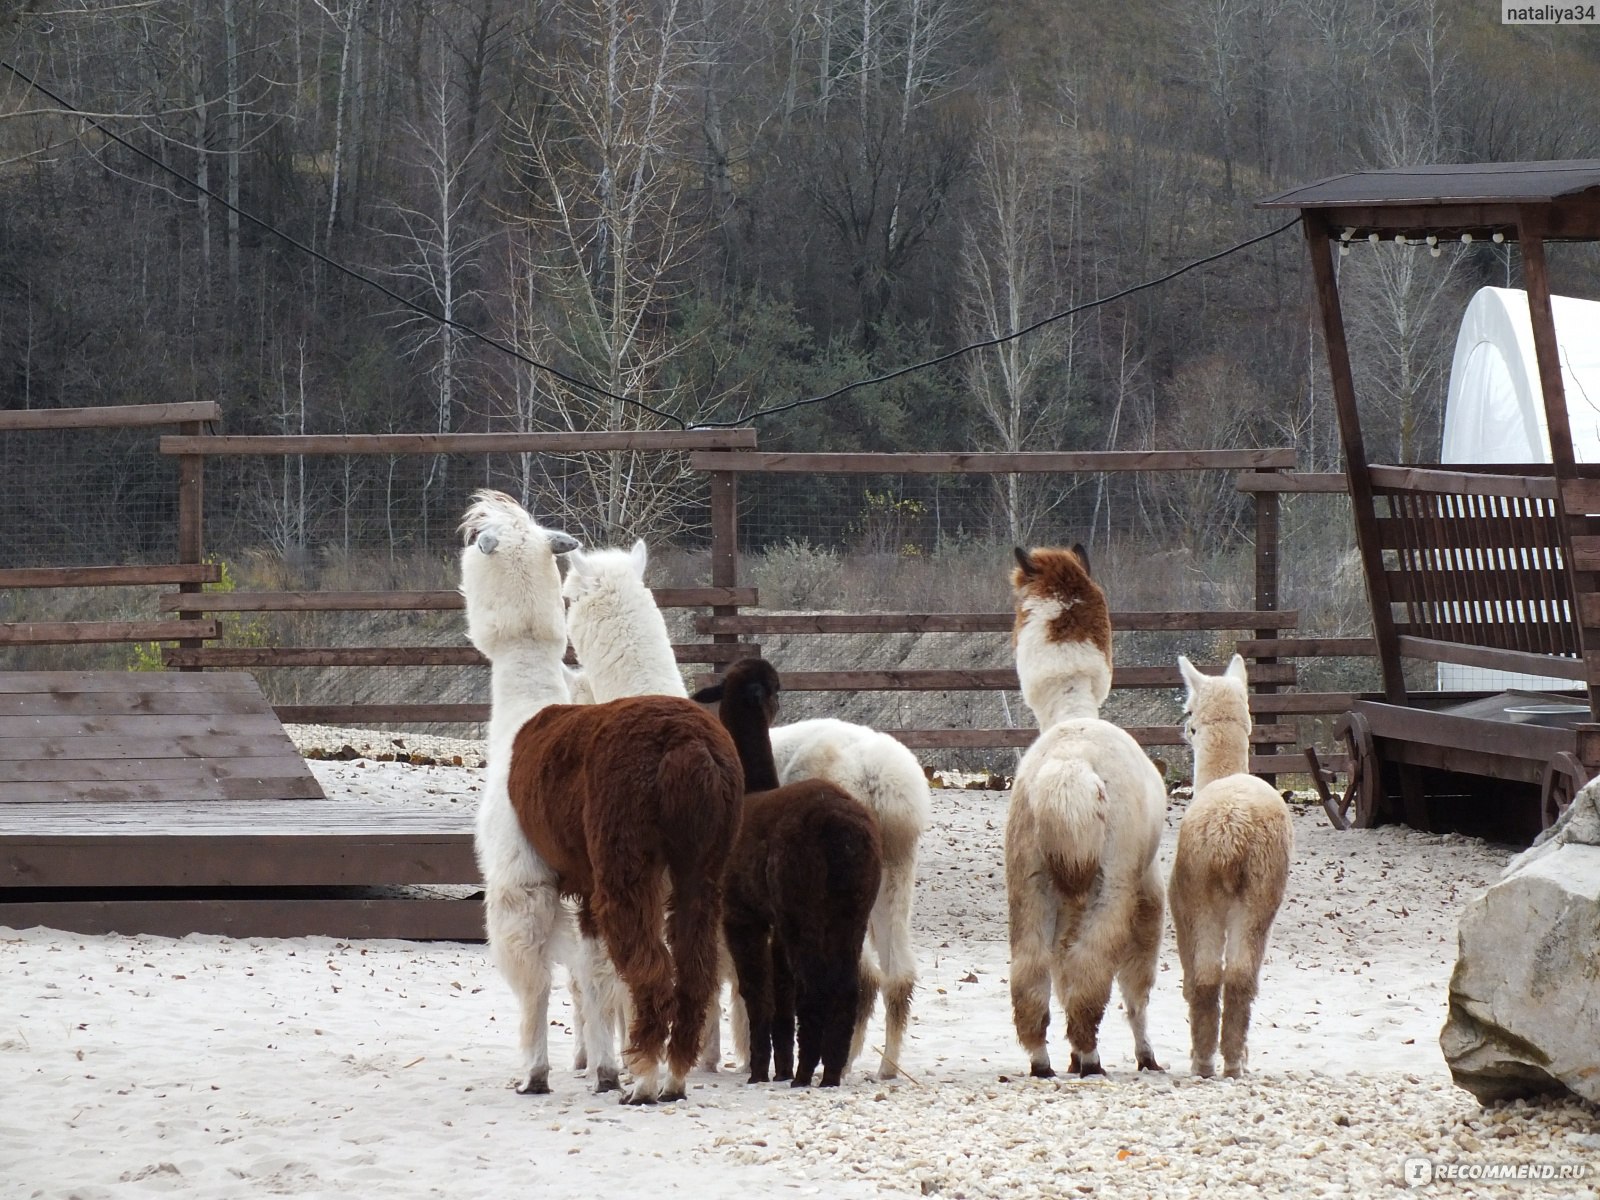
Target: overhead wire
{"x":593,"y":388}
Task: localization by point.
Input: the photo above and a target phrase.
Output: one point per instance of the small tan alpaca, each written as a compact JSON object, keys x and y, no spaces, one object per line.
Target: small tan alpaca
{"x":1232,"y":864}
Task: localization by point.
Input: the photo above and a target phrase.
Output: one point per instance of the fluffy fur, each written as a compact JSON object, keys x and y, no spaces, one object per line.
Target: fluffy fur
{"x":1230,"y":872}
{"x":1084,"y":893}
{"x":604,"y":804}
{"x":628,"y":655}
{"x":801,"y":885}
{"x":616,"y":627}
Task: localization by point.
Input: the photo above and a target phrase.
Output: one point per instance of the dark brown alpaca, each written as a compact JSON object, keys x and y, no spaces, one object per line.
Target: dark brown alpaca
{"x":801,"y":883}
{"x":621,"y":801}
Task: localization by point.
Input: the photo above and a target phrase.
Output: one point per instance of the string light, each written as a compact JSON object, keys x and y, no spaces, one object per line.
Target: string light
{"x":1466,"y":239}
{"x":1433,"y":240}
{"x":1350,"y":232}
{"x":1373,"y":238}
{"x":1498,"y":237}
{"x":1344,"y":249}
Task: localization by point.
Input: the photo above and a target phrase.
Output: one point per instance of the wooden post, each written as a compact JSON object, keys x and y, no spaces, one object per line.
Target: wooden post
{"x":1536,"y":279}
{"x":191,"y":519}
{"x":1266,"y":589}
{"x":1357,"y":469}
{"x":725,"y":543}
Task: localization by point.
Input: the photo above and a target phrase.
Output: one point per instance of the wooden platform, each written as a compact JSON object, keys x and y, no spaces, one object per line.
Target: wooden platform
{"x":176,"y":803}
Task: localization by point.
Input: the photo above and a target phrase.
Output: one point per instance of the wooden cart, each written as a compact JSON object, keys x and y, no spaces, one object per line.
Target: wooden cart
{"x":1494,"y":566}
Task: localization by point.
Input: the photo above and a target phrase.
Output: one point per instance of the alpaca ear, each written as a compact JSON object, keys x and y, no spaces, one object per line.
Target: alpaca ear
{"x":639,"y":558}
{"x":1192,"y":678}
{"x":1237,"y":670}
{"x":561,"y":543}
{"x":709,"y":695}
{"x":1025,"y":562}
{"x":1083,"y":557}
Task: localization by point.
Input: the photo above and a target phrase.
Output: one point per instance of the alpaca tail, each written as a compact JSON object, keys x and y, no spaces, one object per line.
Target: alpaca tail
{"x":1068,"y":799}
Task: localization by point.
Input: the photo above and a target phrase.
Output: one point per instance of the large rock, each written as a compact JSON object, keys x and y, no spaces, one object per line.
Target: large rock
{"x":1525,"y":996}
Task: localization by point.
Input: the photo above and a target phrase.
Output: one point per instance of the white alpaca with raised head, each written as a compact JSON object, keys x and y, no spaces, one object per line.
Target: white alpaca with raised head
{"x":1230,"y":871}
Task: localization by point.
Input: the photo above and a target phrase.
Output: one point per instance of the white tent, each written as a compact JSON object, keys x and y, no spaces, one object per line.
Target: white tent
{"x":1494,"y":411}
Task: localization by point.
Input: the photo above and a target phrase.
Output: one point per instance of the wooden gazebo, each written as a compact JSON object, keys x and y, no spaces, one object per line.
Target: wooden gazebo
{"x":1494,"y":566}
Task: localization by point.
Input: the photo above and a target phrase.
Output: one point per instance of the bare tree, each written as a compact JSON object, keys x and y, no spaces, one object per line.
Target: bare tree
{"x":608,"y":236}
{"x":1012,"y":274}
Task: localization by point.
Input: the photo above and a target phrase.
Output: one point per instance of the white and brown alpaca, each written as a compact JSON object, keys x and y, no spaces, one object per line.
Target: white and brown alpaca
{"x":1087,"y":808}
{"x":1231,"y":868}
{"x":610,"y":805}
{"x":624,"y":649}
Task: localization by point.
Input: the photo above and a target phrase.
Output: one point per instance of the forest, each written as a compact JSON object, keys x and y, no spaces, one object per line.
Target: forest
{"x":393,"y":215}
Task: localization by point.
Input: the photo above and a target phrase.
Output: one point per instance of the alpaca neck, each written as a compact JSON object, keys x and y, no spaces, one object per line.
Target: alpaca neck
{"x":754,"y":743}
{"x":1220,"y":751}
{"x":521,"y":682}
{"x":1064,"y":700}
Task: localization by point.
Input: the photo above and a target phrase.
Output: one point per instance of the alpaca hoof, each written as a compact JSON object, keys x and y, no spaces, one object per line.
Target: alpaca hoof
{"x":800,"y":1081}
{"x":758,"y":1077}
{"x":1042,"y":1071}
{"x":1233,"y":1071}
{"x":636,"y":1098}
{"x":606,"y":1080}
{"x":888,"y":1071}
{"x":1086,"y":1069}
{"x":580,"y":1061}
{"x":536,"y":1084}
{"x":782,"y":1076}
{"x":1073,"y":1063}
{"x":829,"y":1080}
{"x":1203,"y":1067}
{"x":1147,"y":1062}
{"x":674,"y":1093}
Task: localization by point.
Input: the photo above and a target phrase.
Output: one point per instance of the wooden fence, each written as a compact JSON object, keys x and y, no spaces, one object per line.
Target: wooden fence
{"x":726,"y":620}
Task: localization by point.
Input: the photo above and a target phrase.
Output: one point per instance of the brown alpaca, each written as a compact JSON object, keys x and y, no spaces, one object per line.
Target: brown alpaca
{"x":802,"y":880}
{"x":622,"y":800}
{"x":1230,"y":870}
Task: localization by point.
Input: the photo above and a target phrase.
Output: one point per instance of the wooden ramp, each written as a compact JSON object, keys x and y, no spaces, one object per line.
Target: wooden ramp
{"x":139,"y":802}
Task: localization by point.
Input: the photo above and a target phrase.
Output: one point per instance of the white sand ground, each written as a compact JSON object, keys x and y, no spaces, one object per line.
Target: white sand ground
{"x":209,"y":1067}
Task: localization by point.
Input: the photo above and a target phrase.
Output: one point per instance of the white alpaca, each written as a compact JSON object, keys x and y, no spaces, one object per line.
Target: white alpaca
{"x":1084,"y":892}
{"x":624,"y":650}
{"x":1232,"y":866}
{"x":616,"y":627}
{"x":525,"y":641}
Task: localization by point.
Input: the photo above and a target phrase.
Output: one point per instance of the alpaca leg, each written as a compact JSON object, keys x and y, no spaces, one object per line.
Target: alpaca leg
{"x":841,"y":1003}
{"x":749,"y":945}
{"x":783,"y":1013}
{"x":580,"y":1048}
{"x":522,"y":922}
{"x":739,"y":1022}
{"x":631,"y":927}
{"x":600,"y":989}
{"x":1032,"y":919}
{"x":693,"y":933}
{"x":868,"y":981}
{"x":711,"y":1046}
{"x":811,"y":1003}
{"x":1247,"y":947}
{"x":890,"y":932}
{"x":1138,"y":972}
{"x":1085,"y":984}
{"x":1200,"y":938}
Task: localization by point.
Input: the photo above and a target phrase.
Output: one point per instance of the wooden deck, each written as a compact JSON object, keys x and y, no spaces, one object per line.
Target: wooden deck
{"x":176,"y":803}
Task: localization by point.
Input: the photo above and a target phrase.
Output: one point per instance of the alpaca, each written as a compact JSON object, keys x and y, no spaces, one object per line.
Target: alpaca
{"x":801,"y":884}
{"x":607,"y":804}
{"x":1231,"y":868}
{"x":1086,"y":813}
{"x":624,"y":648}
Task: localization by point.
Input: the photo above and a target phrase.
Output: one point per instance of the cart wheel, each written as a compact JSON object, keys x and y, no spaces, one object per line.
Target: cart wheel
{"x":1366,"y":773}
{"x":1564,"y":776}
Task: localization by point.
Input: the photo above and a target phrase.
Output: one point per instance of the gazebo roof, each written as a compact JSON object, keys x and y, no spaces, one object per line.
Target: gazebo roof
{"x":1465,"y":183}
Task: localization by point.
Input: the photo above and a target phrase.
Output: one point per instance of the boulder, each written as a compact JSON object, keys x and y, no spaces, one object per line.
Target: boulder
{"x":1525,"y":996}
